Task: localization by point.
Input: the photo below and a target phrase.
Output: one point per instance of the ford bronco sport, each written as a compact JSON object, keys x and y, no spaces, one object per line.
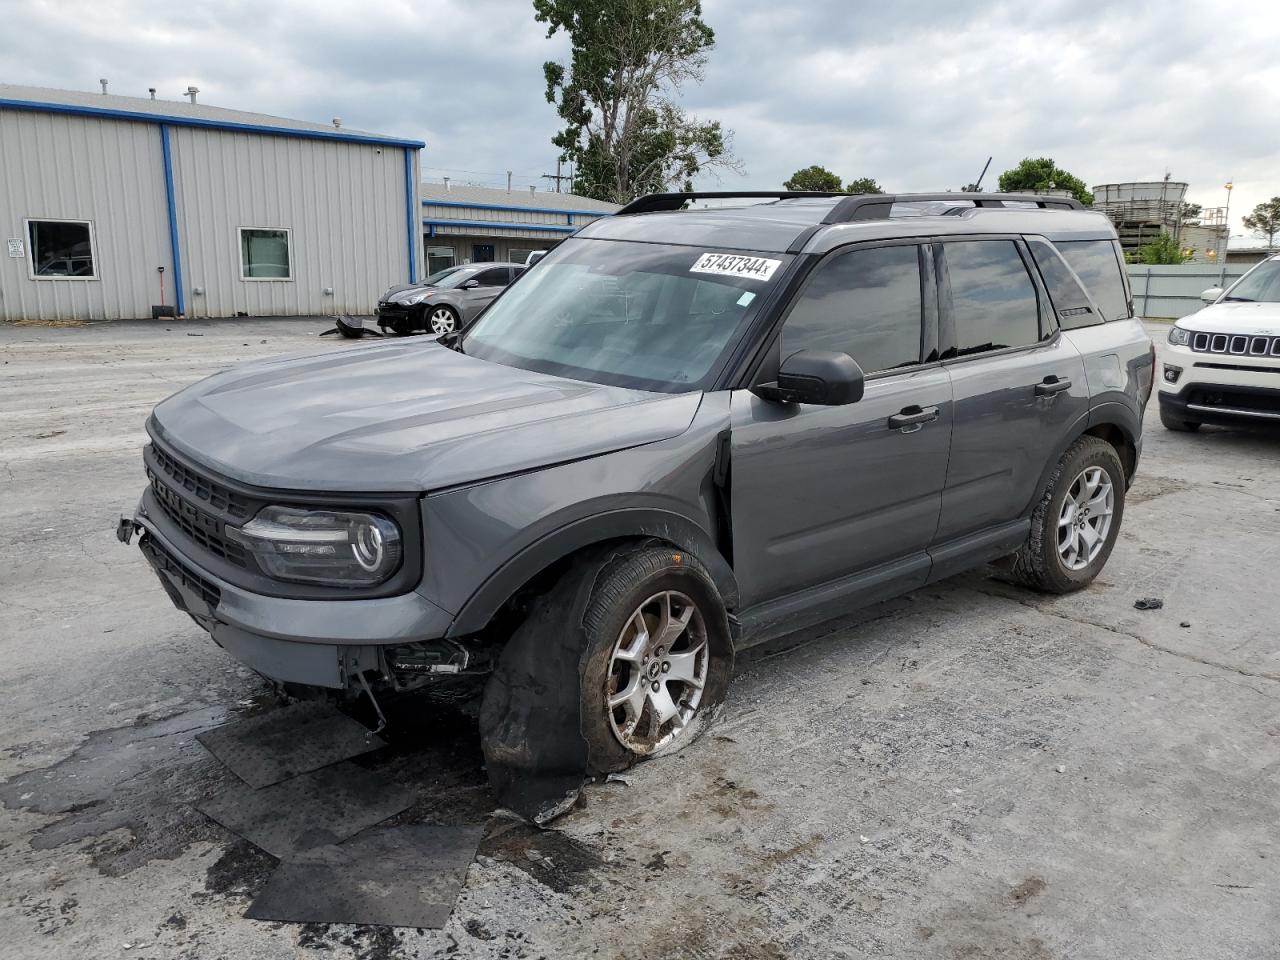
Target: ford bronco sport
{"x":687,"y":431}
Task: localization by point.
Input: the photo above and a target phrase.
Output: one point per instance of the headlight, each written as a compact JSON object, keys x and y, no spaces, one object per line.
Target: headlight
{"x":322,"y":546}
{"x":417,"y":297}
{"x":1179,"y":337}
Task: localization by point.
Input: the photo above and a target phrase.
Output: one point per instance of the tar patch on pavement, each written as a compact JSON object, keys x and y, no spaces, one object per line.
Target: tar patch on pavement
{"x":406,"y":876}
{"x":313,"y":810}
{"x":284,"y":743}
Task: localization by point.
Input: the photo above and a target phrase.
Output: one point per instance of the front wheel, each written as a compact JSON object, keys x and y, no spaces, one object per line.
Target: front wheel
{"x":1077,"y":521}
{"x":441,"y":320}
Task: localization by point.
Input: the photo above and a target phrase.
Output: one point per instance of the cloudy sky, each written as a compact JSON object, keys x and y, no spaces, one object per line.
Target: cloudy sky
{"x":915,"y":94}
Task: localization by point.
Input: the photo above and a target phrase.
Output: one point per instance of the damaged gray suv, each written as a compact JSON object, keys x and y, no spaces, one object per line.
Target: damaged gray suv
{"x":687,"y":431}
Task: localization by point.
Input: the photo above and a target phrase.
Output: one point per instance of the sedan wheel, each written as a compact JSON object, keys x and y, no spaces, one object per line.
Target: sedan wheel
{"x":442,"y":320}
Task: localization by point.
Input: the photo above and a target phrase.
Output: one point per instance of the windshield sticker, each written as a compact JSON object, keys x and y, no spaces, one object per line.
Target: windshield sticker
{"x":734,"y":265}
{"x":746,"y":298}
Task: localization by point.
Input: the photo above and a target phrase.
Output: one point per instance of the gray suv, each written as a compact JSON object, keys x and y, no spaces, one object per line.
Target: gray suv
{"x":686,"y":432}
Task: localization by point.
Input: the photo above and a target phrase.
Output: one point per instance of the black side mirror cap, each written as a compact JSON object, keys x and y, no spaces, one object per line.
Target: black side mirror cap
{"x":821,"y":377}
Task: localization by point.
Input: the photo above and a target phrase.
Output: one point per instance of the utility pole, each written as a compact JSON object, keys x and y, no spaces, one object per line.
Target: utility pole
{"x":557,"y":177}
{"x":1226,"y":215}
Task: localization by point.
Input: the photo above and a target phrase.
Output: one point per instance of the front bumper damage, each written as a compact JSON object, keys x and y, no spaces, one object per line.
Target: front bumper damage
{"x":324,"y":643}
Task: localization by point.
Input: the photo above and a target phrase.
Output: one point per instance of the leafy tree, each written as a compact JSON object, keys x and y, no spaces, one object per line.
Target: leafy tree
{"x":622,"y":128}
{"x":1265,"y":220}
{"x":1042,"y":174}
{"x":813,"y":178}
{"x":1190,"y":212}
{"x":1163,"y":249}
{"x":863,"y":185}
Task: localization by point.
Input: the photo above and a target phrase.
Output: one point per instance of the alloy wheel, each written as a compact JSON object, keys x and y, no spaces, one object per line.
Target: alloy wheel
{"x":657,"y":672}
{"x":1085,"y":518}
{"x":441,"y":320}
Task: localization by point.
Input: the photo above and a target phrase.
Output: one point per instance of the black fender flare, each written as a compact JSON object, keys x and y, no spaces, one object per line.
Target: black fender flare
{"x":1109,"y":414}
{"x":627,"y":523}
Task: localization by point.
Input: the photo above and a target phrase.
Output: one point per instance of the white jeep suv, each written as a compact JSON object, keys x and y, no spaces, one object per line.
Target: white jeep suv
{"x":1222,"y":364}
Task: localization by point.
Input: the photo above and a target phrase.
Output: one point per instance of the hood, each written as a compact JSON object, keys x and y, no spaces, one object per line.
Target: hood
{"x":1251,"y":318}
{"x":400,"y":290}
{"x":404,"y":417}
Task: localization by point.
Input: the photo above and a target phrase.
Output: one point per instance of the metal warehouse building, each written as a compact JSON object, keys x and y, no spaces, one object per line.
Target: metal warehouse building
{"x":465,"y":224}
{"x":113,"y":205}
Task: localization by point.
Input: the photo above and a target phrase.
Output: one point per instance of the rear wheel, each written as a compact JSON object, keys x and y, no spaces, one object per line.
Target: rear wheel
{"x":1075,"y":525}
{"x":1176,"y":423}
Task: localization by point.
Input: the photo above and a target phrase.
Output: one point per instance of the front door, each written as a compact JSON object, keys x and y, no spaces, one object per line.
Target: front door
{"x":489,"y":284}
{"x":482,"y":253}
{"x":823,"y":493}
{"x":1019,"y":386}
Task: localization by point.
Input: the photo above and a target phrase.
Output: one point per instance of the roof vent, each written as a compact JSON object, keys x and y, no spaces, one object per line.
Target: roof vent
{"x":446,"y":184}
{"x":337,"y":123}
{"x":152,"y":91}
{"x":532,"y":188}
{"x":191,"y":92}
{"x":103,"y":81}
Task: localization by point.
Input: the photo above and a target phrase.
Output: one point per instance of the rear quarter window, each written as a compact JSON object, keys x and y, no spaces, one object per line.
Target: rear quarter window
{"x":1070,"y":302}
{"x":1097,"y":264}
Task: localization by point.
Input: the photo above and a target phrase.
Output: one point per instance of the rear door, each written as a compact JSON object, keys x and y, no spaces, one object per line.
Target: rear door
{"x":822,"y":493}
{"x":1018,"y":384}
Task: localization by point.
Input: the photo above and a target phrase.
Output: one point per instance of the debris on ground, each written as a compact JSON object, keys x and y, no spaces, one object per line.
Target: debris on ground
{"x":1148,"y":603}
{"x":1185,"y":623}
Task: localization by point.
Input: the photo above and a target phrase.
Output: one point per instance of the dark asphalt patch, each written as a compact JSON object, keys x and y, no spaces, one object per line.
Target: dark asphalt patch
{"x":284,"y":743}
{"x":397,"y":877}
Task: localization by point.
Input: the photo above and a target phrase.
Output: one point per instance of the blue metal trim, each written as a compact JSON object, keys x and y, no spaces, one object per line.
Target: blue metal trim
{"x":179,"y":294}
{"x":570,"y":214}
{"x":107,"y":113}
{"x":495,"y":225}
{"x":410,"y":228}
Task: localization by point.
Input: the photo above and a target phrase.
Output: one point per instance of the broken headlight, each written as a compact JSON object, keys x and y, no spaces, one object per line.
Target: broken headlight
{"x":322,"y":546}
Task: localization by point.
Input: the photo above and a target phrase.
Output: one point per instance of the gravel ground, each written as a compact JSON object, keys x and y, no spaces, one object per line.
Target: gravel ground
{"x":969,"y":771}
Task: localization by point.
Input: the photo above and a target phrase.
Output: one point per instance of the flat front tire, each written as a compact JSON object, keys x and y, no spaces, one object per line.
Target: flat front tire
{"x":1076,"y":522}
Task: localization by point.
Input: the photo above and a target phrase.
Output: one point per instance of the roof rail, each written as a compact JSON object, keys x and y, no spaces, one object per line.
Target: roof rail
{"x":879,"y":206}
{"x":657,"y":202}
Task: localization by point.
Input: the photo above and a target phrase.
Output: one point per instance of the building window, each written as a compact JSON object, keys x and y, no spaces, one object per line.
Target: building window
{"x":264,"y":254}
{"x":61,"y":250}
{"x":439,"y":258}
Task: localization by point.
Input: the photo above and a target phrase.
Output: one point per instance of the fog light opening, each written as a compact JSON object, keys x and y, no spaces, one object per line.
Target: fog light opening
{"x":1171,"y":373}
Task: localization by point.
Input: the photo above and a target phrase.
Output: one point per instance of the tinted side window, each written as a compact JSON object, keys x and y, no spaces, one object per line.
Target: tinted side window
{"x":1095,"y":262}
{"x":495,"y":277}
{"x":866,"y":303}
{"x":993,"y":300}
{"x":1070,"y":302}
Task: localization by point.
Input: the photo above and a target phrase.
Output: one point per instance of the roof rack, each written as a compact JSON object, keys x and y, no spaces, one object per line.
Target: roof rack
{"x":863,"y":206}
{"x":659,"y":202}
{"x":879,"y":206}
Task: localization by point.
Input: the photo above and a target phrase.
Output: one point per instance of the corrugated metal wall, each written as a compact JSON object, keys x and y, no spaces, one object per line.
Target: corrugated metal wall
{"x":344,"y":204}
{"x":79,"y":168}
{"x":1173,"y":290}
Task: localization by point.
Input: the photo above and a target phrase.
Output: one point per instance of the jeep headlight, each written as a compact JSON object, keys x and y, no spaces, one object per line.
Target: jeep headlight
{"x":1179,"y":337}
{"x":334,"y":547}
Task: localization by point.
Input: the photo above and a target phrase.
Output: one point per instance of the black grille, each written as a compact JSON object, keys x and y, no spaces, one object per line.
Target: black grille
{"x":217,"y":496}
{"x":202,"y":527}
{"x":1236,"y":344}
{"x":166,"y":563}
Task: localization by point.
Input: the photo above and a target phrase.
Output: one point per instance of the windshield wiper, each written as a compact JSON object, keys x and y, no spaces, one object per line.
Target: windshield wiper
{"x":1238,"y":300}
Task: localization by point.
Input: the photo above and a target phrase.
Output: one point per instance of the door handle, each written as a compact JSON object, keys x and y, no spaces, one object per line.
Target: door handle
{"x":1052,"y":385}
{"x":913,"y":417}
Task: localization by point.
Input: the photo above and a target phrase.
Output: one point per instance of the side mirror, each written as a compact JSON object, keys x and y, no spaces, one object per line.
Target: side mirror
{"x":1212,"y":294}
{"x":816,"y":376}
{"x":471,"y":285}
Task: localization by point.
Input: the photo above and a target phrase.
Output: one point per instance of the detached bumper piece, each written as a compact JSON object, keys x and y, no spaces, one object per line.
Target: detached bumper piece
{"x":1225,"y":406}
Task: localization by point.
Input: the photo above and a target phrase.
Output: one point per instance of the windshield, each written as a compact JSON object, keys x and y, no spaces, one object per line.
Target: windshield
{"x":448,"y":277}
{"x":647,"y":315}
{"x":1261,"y":284}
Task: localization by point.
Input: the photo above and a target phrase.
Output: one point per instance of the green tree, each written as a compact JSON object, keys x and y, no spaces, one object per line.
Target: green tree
{"x":1190,"y":212}
{"x":622,"y":127}
{"x":863,"y":185}
{"x":1163,"y":249}
{"x":813,"y":178}
{"x":1042,"y":174}
{"x":1265,"y":220}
